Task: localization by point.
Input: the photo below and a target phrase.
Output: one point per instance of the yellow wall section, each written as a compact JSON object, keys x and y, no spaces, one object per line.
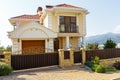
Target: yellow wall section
{"x":73,"y":42}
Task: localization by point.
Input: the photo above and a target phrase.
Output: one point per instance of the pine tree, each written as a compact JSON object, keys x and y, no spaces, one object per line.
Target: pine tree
{"x":109,"y":44}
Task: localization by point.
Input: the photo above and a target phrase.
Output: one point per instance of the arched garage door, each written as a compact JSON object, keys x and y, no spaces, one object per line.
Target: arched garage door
{"x":33,"y":46}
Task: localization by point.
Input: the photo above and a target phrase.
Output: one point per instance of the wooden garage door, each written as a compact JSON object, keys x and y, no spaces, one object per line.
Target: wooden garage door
{"x":33,"y":46}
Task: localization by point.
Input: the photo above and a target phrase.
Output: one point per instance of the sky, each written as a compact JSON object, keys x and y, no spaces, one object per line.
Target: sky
{"x":104,"y":15}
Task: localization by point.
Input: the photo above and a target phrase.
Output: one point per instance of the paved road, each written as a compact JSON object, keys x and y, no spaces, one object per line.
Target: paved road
{"x":55,"y":73}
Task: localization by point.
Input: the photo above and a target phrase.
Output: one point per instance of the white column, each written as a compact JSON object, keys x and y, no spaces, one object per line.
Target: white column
{"x":79,"y":42}
{"x":51,"y":45}
{"x":67,"y":42}
{"x":83,"y":42}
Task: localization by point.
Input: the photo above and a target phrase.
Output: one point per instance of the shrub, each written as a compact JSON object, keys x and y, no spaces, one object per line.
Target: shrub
{"x":100,"y":69}
{"x":93,"y":46}
{"x":94,"y":66}
{"x":89,"y":64}
{"x":5,"y":69}
{"x":96,"y":60}
{"x":117,"y":65}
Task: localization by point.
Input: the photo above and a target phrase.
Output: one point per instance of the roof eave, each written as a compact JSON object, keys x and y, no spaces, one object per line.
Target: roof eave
{"x":14,"y":20}
{"x":70,"y":9}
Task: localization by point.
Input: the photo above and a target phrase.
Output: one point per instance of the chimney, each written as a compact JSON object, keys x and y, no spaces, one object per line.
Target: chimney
{"x":39,"y":11}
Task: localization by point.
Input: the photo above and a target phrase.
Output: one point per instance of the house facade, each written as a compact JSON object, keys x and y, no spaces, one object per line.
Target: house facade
{"x":61,"y":26}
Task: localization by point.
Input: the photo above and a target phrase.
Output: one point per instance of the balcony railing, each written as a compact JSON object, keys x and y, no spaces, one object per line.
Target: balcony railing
{"x":68,"y":29}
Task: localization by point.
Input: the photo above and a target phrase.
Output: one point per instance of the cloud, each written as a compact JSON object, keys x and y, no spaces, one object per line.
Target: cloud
{"x":117,"y":29}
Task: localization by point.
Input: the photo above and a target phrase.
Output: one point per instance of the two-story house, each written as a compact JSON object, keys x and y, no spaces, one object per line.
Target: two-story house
{"x":61,"y":26}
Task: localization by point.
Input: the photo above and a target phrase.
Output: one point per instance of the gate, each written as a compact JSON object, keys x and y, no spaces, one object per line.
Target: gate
{"x":34,"y":60}
{"x":27,"y":61}
{"x":78,"y":57}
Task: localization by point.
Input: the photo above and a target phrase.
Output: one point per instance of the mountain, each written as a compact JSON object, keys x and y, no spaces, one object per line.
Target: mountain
{"x":103,"y":37}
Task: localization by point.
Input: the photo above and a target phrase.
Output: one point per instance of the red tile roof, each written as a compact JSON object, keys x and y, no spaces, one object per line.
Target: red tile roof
{"x":25,"y":16}
{"x":62,"y":5}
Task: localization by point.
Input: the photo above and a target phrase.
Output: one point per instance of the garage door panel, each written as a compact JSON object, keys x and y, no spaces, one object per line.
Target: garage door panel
{"x":33,"y":46}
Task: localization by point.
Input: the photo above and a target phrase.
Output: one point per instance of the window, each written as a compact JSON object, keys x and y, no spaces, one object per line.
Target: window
{"x":67,"y":23}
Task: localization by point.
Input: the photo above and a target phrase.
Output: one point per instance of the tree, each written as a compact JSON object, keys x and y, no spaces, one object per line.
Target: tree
{"x":8,"y":48}
{"x":109,"y":44}
{"x":2,"y":48}
{"x":93,"y":46}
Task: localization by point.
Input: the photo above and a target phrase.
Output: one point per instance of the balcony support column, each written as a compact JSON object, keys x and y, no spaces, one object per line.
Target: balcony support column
{"x":67,"y":42}
{"x":81,"y":42}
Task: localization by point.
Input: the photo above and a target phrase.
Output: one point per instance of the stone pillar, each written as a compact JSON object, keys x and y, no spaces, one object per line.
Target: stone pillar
{"x":7,"y":58}
{"x":71,"y":56}
{"x":66,"y":62}
{"x":83,"y":55}
{"x":61,"y":57}
{"x":67,"y":42}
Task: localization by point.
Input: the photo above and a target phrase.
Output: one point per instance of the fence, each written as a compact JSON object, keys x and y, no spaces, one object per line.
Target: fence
{"x":103,"y":54}
{"x":48,"y":59}
{"x":33,"y":61}
{"x":38,"y":60}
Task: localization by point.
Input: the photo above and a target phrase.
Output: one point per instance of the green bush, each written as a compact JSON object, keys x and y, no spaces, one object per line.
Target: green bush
{"x":100,"y":69}
{"x":89,"y":64}
{"x":93,"y":46}
{"x":96,"y":60}
{"x":94,"y":66}
{"x":93,"y":63}
{"x":5,"y":69}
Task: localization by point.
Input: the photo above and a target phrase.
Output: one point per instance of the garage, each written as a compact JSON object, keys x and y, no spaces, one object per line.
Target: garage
{"x":33,"y":46}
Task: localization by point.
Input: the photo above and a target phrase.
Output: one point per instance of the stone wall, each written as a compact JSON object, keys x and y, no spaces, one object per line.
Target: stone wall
{"x":109,"y":62}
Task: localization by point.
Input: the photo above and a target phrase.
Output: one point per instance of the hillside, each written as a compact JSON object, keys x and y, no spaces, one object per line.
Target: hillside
{"x":102,"y":38}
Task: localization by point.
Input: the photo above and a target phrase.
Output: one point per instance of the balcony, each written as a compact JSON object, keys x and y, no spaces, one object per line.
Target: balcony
{"x":68,"y":29}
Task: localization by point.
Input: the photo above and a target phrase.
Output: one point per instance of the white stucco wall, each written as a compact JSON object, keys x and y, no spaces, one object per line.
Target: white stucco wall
{"x":32,"y":31}
{"x":52,"y":18}
{"x":48,"y":21}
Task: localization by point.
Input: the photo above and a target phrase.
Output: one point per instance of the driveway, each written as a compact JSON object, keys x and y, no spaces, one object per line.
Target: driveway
{"x":76,"y":72}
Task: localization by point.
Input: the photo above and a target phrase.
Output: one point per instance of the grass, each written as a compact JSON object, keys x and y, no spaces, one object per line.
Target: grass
{"x":110,"y":69}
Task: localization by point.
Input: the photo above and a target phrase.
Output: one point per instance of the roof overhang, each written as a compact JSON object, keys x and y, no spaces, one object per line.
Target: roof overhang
{"x":32,"y":30}
{"x":64,"y":9}
{"x":15,"y":20}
